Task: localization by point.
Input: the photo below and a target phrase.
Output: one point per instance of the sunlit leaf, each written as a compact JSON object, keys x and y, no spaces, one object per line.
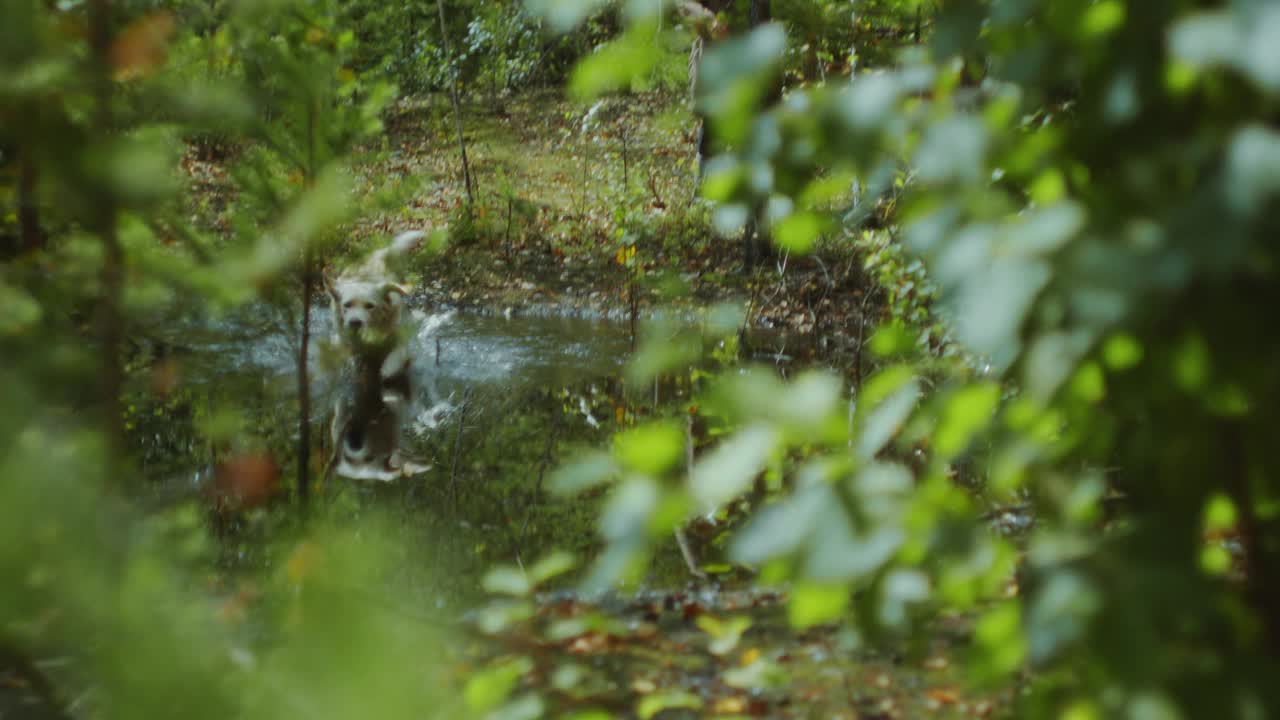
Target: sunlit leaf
{"x":651,"y":705}
{"x":507,"y":580}
{"x":528,"y":706}
{"x":953,"y":150}
{"x":563,"y":15}
{"x":1102,"y":18}
{"x":798,"y":233}
{"x":629,"y":508}
{"x":1191,"y":363}
{"x":780,"y":528}
{"x":1253,"y":173}
{"x":622,"y":64}
{"x":817,"y":604}
{"x":725,"y":634}
{"x":733,"y":77}
{"x":902,"y":588}
{"x":868,"y":101}
{"x":585,"y":472}
{"x":1121,"y":351}
{"x":884,"y":421}
{"x":556,"y":563}
{"x":1154,"y":706}
{"x":21,"y":310}
{"x":999,"y":643}
{"x":966,"y":412}
{"x":729,"y":469}
{"x":490,"y":687}
{"x":651,"y":449}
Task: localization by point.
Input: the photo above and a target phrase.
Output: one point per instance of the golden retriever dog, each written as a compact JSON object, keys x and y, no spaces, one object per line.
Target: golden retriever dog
{"x":368,"y":319}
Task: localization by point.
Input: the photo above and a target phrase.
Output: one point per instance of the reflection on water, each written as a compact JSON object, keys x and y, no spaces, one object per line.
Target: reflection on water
{"x":491,"y":407}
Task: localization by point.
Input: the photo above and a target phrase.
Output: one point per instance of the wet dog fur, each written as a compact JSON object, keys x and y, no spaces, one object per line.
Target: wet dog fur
{"x":368,"y":309}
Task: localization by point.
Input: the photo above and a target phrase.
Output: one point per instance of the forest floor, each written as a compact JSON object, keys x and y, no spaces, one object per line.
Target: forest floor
{"x":731,"y":654}
{"x":576,"y":209}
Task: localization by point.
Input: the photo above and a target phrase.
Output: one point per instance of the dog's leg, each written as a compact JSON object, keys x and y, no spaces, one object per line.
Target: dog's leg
{"x":395,"y":366}
{"x":336,"y":431}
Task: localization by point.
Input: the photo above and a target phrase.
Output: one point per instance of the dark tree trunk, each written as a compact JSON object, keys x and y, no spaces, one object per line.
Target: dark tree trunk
{"x":304,"y":378}
{"x":761,"y":12}
{"x":103,"y":221}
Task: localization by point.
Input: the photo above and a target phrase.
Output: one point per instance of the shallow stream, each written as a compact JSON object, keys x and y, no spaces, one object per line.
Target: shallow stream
{"x":496,"y":403}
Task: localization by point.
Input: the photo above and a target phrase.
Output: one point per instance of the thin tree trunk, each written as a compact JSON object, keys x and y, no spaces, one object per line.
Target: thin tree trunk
{"x":304,"y":388}
{"x":755,"y":238}
{"x":110,"y":322}
{"x":633,"y":304}
{"x":506,"y":243}
{"x":457,"y":105}
{"x":625,"y":162}
{"x":761,"y":12}
{"x":304,"y":375}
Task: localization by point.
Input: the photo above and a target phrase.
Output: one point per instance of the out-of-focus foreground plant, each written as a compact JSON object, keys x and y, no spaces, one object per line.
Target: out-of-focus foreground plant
{"x":1093,"y":187}
{"x":96,"y":118}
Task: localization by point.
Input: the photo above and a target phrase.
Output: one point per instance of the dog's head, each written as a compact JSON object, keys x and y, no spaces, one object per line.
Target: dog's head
{"x":361,"y":306}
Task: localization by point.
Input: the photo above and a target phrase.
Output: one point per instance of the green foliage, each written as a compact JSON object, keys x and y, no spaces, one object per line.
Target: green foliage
{"x":1067,"y":207}
{"x":121,"y":597}
{"x":1090,"y":187}
{"x":89,"y":579}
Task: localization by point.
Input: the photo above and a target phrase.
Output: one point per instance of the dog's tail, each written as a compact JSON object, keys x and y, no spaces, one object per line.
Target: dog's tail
{"x":406,"y":241}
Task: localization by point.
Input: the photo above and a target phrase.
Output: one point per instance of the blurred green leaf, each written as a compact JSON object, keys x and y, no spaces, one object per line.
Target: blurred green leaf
{"x":21,"y":312}
{"x":623,"y":64}
{"x":652,"y":705}
{"x":816,"y":604}
{"x":490,"y":687}
{"x":729,"y":469}
{"x":799,"y":232}
{"x":967,"y":411}
{"x":507,"y":580}
{"x":651,"y":449}
{"x":953,"y":151}
{"x":887,"y":417}
{"x":725,"y":634}
{"x":780,"y":528}
{"x":552,"y":565}
{"x":562,"y":15}
{"x":583,"y":473}
{"x":998,"y":640}
{"x":1059,"y":614}
{"x":1102,"y":18}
